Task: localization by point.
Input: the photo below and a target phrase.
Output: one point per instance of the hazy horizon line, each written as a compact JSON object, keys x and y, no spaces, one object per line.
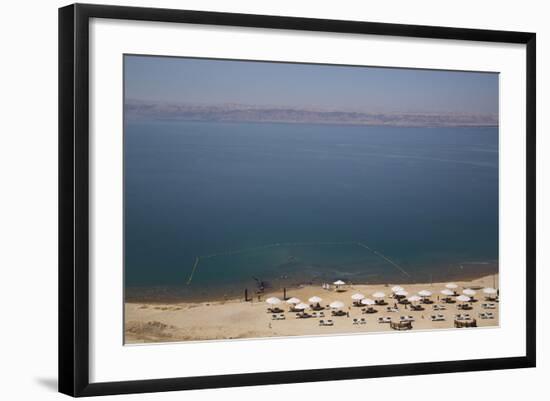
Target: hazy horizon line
{"x":237,"y":112}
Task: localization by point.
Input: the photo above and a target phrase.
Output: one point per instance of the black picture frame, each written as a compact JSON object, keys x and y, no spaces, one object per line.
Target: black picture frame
{"x":74,"y":198}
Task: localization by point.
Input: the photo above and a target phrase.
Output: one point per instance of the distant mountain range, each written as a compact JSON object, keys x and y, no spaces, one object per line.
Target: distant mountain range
{"x":248,"y":113}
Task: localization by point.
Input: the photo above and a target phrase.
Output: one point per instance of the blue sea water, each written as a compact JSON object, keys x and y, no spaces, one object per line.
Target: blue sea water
{"x":296,"y":203}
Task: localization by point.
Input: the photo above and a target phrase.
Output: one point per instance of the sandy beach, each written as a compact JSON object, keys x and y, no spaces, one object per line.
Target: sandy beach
{"x":220,"y":320}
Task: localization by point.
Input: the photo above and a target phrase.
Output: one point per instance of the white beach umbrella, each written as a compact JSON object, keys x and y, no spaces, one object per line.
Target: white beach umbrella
{"x":401,"y":293}
{"x":357,"y":297}
{"x":489,"y":291}
{"x":463,"y":298}
{"x":397,"y":288}
{"x":414,"y":298}
{"x":337,"y":305}
{"x":425,"y":293}
{"x":293,"y":301}
{"x":367,"y":301}
{"x":469,"y":292}
{"x":315,"y":300}
{"x":379,"y":294}
{"x":447,"y":292}
{"x":301,"y":306}
{"x":451,"y":286}
{"x":273,"y":301}
{"x":339,"y":282}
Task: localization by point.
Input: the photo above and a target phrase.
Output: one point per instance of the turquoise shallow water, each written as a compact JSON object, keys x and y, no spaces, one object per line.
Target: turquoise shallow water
{"x":289,"y":204}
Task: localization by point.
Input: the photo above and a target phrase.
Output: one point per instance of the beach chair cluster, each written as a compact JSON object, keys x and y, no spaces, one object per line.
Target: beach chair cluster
{"x":327,"y":322}
{"x":391,"y":309}
{"x":408,"y":318}
{"x":439,"y":307}
{"x":384,"y":319}
{"x":274,"y":310}
{"x":489,"y":305}
{"x":417,"y":308}
{"x":463,"y":316}
{"x":401,"y":325}
{"x":487,"y":315}
{"x":369,"y":310}
{"x":305,"y":315}
{"x":437,"y":318}
{"x":449,"y":300}
{"x":279,"y":316}
{"x":320,"y":314}
{"x":359,"y":321}
{"x":465,"y":323}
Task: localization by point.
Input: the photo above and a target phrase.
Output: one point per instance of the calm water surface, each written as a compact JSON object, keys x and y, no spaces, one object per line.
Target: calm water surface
{"x":295,"y":203}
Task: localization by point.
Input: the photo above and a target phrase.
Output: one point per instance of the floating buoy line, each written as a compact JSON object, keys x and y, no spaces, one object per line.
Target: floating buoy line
{"x":289,"y":244}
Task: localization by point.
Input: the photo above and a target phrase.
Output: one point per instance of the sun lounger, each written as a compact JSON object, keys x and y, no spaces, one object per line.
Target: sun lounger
{"x":363,"y":321}
{"x":406,"y":318}
{"x":439,"y":307}
{"x":487,"y":315}
{"x":488,"y":305}
{"x":384,"y":319}
{"x":437,"y":318}
{"x":390,"y":309}
{"x":417,"y":308}
{"x":355,"y":321}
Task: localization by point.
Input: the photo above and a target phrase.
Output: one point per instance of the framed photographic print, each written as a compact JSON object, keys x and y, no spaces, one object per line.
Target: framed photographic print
{"x":250,"y":199}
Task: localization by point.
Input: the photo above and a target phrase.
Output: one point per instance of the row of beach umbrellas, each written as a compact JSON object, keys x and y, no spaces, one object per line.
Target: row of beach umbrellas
{"x":400,"y":291}
{"x":298,"y":304}
{"x":397,"y":290}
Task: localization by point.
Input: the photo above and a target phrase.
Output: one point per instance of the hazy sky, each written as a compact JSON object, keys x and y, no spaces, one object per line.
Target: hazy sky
{"x":185,"y":80}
